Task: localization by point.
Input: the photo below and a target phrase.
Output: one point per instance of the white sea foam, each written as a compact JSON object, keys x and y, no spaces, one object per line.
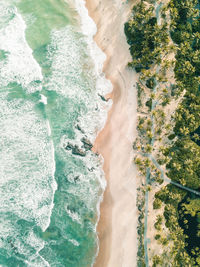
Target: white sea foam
{"x":27,"y":165}
{"x":66,"y":62}
{"x":74,"y":242}
{"x":25,"y":152}
{"x":89,"y":29}
{"x":29,"y":148}
{"x":43,"y":100}
{"x":103,"y":86}
{"x":37,"y":262}
{"x":73,"y":215}
{"x":71,"y":79}
{"x":68,"y":79}
{"x":6,"y":12}
{"x":20,"y":65}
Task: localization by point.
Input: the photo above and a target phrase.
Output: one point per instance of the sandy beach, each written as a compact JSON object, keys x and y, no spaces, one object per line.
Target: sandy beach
{"x":118,"y":214}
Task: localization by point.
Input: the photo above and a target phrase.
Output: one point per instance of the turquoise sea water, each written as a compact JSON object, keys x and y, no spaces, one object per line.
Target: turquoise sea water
{"x":50,"y":85}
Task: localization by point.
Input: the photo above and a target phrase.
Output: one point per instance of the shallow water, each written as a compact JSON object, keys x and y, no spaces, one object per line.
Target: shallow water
{"x":50,"y":85}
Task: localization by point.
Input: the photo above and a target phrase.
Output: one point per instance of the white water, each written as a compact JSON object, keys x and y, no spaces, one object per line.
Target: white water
{"x":28,"y":175}
{"x":26,"y":148}
{"x":20,"y":65}
{"x":103,"y":86}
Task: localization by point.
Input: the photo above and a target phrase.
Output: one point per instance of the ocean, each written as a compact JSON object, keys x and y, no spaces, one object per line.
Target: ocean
{"x":51,"y":110}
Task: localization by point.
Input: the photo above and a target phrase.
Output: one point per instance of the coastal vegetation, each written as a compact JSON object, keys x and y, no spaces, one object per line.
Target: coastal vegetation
{"x":164,"y":44}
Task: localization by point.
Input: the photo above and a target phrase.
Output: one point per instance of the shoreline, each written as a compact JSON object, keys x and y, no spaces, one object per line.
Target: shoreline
{"x":118,"y":216}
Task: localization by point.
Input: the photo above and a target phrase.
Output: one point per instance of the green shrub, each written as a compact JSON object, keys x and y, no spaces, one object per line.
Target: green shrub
{"x":157,"y":237}
{"x":157,"y":203}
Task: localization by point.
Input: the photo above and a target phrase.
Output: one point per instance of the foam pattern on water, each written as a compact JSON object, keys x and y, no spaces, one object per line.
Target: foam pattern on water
{"x":27,"y":182}
{"x":19,"y":66}
{"x":49,"y":97}
{"x":102,"y":85}
{"x":74,"y":76}
{"x":75,"y":111}
{"x":24,"y":153}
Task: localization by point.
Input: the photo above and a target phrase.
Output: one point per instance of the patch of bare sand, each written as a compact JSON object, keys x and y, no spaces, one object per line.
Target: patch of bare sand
{"x":118,"y":213}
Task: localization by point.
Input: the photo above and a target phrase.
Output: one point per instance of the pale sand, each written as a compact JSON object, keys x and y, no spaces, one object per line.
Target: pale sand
{"x":118,"y":219}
